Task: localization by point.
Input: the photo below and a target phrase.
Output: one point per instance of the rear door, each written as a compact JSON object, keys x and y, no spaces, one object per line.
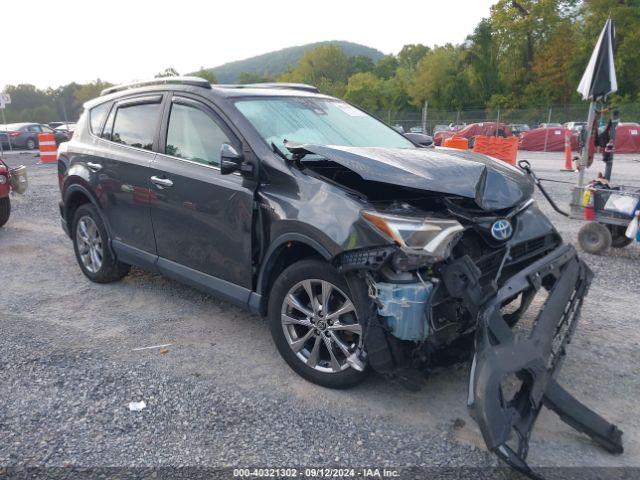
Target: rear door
{"x":202,"y":220}
{"x":121,"y":166}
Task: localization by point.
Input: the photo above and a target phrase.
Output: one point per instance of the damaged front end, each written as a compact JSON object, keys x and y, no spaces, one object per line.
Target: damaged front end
{"x":426,"y":299}
{"x":469,"y":254}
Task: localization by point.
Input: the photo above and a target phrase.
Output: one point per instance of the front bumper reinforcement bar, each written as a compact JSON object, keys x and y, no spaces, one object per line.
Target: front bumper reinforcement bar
{"x":528,"y":363}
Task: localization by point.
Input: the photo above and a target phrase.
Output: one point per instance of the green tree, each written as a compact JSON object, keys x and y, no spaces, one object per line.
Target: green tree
{"x":90,"y":90}
{"x":326,"y":67}
{"x":249,"y":77}
{"x":440,"y":79}
{"x":167,"y":72}
{"x":386,"y":67}
{"x":411,"y":54}
{"x":480,"y":57}
{"x":208,"y":75}
{"x":365,"y":90}
{"x":360,"y":64}
{"x":520,"y":27}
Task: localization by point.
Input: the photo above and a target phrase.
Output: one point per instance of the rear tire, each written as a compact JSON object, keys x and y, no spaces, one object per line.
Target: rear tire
{"x":594,"y":238}
{"x":618,"y":237}
{"x":91,"y":246}
{"x":5,"y":210}
{"x":31,"y":144}
{"x":304,"y":339}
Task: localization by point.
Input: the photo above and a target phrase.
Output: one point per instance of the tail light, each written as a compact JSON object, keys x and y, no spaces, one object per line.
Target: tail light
{"x":14,"y":134}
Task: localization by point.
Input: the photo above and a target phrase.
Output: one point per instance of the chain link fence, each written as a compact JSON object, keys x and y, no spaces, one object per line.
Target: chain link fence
{"x":533,"y":117}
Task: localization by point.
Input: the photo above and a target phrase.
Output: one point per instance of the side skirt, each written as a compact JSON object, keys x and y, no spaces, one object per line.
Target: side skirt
{"x":209,"y":284}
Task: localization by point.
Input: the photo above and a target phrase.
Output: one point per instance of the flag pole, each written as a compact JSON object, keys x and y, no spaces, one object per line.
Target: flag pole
{"x":584,"y":158}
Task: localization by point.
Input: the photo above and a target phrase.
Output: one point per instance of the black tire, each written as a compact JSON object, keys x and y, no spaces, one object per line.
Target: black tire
{"x":31,"y":144}
{"x":594,"y":238}
{"x":618,"y":237}
{"x":110,"y":269}
{"x":5,"y":210}
{"x":288,"y":279}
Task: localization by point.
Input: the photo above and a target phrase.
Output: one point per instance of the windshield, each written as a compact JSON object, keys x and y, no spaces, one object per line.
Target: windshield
{"x":319,"y":121}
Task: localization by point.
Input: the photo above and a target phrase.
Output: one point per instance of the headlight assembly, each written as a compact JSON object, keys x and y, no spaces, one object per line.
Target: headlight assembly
{"x":434,"y":236}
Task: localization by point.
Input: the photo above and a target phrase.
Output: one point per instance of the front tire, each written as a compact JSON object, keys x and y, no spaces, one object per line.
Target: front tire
{"x":314,"y":323}
{"x":5,"y":210}
{"x":91,"y":245}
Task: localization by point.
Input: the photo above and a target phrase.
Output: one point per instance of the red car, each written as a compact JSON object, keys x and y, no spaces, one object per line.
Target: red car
{"x":10,"y":179}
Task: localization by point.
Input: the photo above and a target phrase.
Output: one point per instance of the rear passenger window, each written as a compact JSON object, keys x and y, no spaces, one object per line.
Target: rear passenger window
{"x":194,"y":135}
{"x":136,"y":125}
{"x":96,"y":117}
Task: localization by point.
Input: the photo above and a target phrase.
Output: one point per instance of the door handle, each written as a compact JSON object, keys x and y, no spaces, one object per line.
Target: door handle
{"x":94,"y":166}
{"x":161,"y":182}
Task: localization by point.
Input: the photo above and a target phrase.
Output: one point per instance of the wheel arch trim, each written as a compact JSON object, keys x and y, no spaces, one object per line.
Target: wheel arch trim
{"x":272,"y":254}
{"x":76,"y":188}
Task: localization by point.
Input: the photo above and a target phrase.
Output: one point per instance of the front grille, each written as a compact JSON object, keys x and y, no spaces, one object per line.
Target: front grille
{"x":533,"y":247}
{"x":489,"y":264}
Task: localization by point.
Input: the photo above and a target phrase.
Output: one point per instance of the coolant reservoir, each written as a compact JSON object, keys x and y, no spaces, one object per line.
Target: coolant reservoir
{"x":405,"y":309}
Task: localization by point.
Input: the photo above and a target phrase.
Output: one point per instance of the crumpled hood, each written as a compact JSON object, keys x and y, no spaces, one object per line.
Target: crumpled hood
{"x":493,"y":184}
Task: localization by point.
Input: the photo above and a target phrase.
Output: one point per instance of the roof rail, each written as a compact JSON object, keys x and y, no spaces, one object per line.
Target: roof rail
{"x":285,"y":86}
{"x":194,"y":81}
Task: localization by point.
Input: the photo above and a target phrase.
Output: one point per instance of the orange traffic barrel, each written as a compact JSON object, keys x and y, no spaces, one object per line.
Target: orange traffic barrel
{"x":505,"y":149}
{"x":48,"y":148}
{"x":460,"y":143}
{"x":568,"y":166}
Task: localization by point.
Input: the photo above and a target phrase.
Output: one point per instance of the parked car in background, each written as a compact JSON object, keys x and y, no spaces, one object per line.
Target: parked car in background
{"x":56,"y":124}
{"x":25,"y":135}
{"x":575,"y":126}
{"x":66,"y":128}
{"x":550,"y":125}
{"x":440,"y":128}
{"x":518,"y":128}
{"x":417,"y":129}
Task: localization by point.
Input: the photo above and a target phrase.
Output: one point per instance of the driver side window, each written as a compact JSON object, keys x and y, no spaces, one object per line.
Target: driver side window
{"x":194,"y":135}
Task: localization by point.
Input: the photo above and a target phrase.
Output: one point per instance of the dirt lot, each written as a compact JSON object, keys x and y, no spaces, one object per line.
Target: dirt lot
{"x":222,"y":395}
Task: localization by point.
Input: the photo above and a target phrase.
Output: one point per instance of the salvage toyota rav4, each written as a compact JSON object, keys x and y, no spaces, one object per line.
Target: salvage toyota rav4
{"x":363,"y":249}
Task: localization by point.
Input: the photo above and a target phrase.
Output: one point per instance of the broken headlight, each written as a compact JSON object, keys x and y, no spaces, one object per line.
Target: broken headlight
{"x":432,"y":236}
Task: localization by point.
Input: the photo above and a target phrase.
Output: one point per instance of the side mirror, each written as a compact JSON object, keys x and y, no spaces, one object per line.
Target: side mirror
{"x":230,"y":159}
{"x":420,"y":139}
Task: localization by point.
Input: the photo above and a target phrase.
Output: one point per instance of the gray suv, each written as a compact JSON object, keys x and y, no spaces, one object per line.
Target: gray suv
{"x":364,"y":250}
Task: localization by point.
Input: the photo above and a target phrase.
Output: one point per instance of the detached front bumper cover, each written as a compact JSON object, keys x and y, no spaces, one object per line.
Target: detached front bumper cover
{"x":506,"y":423}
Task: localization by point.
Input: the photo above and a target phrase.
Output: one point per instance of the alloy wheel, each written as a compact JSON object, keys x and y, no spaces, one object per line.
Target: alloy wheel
{"x":321,"y":327}
{"x":89,"y":244}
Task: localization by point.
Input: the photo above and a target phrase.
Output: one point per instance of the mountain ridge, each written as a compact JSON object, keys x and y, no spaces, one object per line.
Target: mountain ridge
{"x":272,"y":64}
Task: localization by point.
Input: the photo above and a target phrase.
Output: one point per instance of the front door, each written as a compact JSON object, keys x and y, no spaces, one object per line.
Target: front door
{"x":202,"y":220}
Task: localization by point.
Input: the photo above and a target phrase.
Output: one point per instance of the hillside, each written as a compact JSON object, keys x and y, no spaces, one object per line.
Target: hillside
{"x":274,"y":63}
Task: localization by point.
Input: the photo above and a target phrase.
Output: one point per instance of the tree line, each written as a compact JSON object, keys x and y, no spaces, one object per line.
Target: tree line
{"x":526,"y":54}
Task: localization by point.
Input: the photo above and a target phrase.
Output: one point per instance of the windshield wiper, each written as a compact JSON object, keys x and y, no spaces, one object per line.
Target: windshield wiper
{"x":279,"y":152}
{"x":297,"y":150}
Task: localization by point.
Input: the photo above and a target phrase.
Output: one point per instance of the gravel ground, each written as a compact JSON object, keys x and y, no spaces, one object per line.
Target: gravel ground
{"x":221,"y":395}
